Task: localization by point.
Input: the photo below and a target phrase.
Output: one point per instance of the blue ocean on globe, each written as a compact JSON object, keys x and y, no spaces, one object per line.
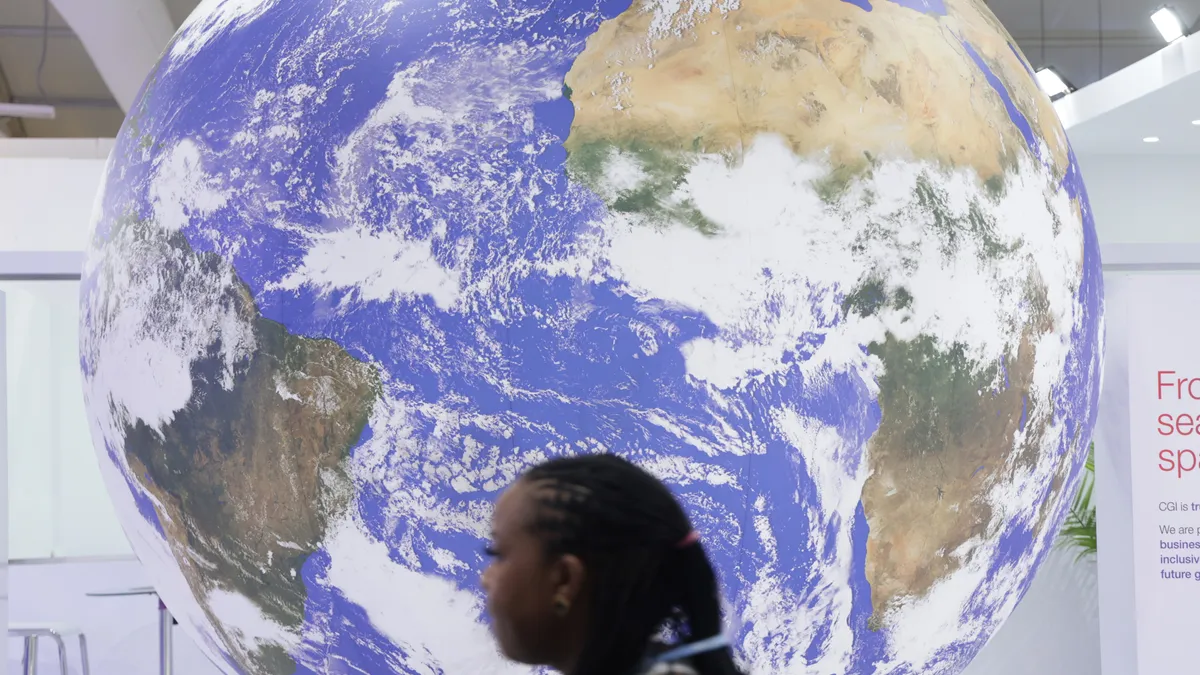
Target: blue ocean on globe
{"x":827,"y":268}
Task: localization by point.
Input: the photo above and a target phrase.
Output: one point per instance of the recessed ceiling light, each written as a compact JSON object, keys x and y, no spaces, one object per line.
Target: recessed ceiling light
{"x":1196,"y":122}
{"x":1150,"y":139}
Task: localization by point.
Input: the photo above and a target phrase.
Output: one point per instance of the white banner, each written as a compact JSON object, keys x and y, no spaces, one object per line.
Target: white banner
{"x":1164,"y":434}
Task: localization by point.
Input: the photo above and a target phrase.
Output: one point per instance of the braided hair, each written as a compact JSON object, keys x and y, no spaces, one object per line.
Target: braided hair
{"x":646,"y":573}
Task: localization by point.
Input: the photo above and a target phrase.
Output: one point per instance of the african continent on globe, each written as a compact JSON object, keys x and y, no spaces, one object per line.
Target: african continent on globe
{"x":827,"y":267}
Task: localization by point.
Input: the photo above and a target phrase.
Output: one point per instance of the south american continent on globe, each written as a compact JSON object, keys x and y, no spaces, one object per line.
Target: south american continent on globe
{"x":826,"y":267}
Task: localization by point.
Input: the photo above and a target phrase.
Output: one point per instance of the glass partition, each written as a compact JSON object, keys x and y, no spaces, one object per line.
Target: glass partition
{"x":58,"y":504}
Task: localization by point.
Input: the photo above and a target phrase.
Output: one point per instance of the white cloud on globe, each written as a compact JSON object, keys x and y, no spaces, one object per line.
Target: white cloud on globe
{"x":182,"y":189}
{"x":209,"y":19}
{"x":373,"y":266}
{"x":247,"y":623}
{"x":436,"y":624}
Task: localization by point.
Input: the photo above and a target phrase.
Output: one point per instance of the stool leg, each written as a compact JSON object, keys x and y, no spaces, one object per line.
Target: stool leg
{"x":62,"y":654}
{"x":29,"y":660}
{"x":83,"y":655}
{"x":165,"y":656}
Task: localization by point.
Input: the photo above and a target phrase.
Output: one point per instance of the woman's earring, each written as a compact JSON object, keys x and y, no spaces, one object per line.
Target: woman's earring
{"x":561,"y":606}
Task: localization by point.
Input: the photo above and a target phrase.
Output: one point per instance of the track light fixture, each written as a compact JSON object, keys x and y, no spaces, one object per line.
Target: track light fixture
{"x":1051,"y":82}
{"x":1168,"y":23}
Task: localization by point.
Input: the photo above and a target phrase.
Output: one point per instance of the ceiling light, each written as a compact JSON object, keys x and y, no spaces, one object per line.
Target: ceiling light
{"x":1196,"y":122}
{"x":27,"y":111}
{"x":1168,"y":23}
{"x":1150,"y":139}
{"x":1052,"y":83}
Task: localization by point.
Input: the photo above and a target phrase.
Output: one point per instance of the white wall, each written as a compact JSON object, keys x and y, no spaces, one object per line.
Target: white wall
{"x":47,"y":201}
{"x":1143,"y":198}
{"x":47,"y":188}
{"x":3,"y":481}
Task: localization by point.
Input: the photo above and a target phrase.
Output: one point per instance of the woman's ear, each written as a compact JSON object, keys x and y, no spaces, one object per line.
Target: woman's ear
{"x":570,"y":577}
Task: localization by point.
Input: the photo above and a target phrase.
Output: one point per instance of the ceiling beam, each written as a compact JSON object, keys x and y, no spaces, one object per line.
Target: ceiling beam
{"x":68,"y":102}
{"x":36,"y":32}
{"x":1089,"y":38}
{"x":123,"y":37}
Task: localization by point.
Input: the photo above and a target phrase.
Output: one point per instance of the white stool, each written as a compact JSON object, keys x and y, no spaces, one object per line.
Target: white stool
{"x":165,"y":622}
{"x":55,"y":631}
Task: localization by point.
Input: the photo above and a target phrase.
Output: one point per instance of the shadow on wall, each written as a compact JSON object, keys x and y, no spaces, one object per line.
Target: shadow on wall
{"x":1056,"y":628}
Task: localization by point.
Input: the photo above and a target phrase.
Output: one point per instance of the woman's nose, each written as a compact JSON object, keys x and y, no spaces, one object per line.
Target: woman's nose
{"x":485,"y":579}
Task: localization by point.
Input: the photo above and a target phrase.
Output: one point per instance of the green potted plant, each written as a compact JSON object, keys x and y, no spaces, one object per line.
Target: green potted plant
{"x":1079,"y":529}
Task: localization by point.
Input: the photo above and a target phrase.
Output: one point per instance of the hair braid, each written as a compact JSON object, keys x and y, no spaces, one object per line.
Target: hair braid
{"x":625,"y":524}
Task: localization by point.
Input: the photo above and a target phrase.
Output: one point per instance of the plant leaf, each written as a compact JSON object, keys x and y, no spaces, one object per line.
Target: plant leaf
{"x":1079,"y":527}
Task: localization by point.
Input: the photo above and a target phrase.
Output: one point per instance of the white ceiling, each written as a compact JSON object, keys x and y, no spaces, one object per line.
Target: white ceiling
{"x":1083,"y":39}
{"x":1166,"y":113}
{"x":1157,"y":97}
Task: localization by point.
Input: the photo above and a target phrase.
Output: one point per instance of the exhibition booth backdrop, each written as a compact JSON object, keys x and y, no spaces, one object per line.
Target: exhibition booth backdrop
{"x":64,"y":540}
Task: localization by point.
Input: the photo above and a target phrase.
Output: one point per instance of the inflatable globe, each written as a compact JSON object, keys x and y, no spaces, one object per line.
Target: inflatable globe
{"x":827,"y":268}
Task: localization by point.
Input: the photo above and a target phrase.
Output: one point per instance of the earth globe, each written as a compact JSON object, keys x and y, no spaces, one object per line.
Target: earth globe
{"x":826,"y":267}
